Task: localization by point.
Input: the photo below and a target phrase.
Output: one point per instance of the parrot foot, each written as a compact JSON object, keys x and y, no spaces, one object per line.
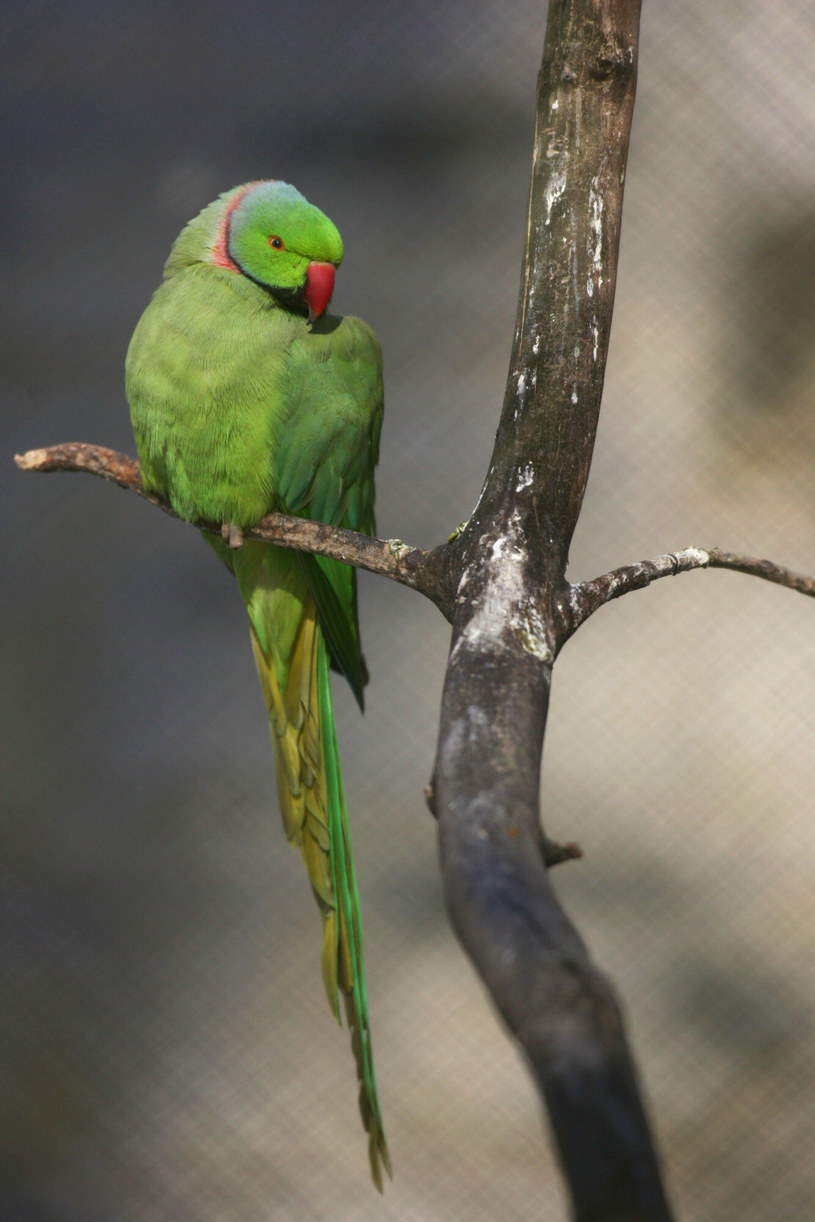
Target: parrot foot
{"x":233,"y":535}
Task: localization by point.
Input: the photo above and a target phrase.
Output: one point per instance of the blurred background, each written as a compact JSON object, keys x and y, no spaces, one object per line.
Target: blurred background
{"x":167,"y":1053}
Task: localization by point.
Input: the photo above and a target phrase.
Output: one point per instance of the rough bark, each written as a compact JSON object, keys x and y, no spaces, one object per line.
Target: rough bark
{"x":508,"y":625}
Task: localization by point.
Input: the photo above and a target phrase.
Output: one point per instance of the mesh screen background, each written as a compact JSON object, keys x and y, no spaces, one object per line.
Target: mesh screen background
{"x":167,"y":1050}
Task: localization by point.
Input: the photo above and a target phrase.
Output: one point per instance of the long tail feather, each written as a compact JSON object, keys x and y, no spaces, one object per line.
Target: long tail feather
{"x":312,"y":804}
{"x":351,"y":964}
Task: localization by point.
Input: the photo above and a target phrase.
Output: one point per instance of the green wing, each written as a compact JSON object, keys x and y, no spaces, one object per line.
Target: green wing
{"x":325,"y":469}
{"x":339,"y":628}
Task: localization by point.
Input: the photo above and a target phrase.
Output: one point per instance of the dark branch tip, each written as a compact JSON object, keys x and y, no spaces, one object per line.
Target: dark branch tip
{"x":555,"y":853}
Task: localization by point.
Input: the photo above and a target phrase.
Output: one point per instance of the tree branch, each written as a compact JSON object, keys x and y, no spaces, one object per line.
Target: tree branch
{"x":508,"y":625}
{"x":425,"y":571}
{"x":429,"y":572}
{"x":586,"y":597}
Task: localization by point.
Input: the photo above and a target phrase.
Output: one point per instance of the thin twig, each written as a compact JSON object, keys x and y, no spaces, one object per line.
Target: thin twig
{"x":586,"y":597}
{"x":411,"y":566}
{"x":762,"y":568}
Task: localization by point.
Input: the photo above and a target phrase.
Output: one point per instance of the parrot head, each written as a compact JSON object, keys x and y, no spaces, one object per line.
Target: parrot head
{"x":271,"y":234}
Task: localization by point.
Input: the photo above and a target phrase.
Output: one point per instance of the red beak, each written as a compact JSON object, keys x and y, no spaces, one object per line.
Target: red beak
{"x":319,"y":287}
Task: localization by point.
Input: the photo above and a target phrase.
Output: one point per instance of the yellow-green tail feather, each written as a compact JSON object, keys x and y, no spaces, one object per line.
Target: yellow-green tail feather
{"x":312,"y":804}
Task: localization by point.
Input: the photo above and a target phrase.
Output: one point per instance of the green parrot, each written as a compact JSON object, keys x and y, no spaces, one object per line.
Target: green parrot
{"x":246,"y":398}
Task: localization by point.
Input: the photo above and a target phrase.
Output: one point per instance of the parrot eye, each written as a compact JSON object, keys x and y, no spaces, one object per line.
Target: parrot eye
{"x":276,"y":242}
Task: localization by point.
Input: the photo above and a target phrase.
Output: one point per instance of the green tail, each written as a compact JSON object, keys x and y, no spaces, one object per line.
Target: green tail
{"x":291,"y":654}
{"x":349,"y":928}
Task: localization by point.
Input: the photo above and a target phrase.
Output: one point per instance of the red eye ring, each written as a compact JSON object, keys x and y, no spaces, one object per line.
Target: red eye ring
{"x":275,"y":242}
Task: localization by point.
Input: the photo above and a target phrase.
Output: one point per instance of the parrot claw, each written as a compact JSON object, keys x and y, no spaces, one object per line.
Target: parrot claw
{"x":233,"y":535}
